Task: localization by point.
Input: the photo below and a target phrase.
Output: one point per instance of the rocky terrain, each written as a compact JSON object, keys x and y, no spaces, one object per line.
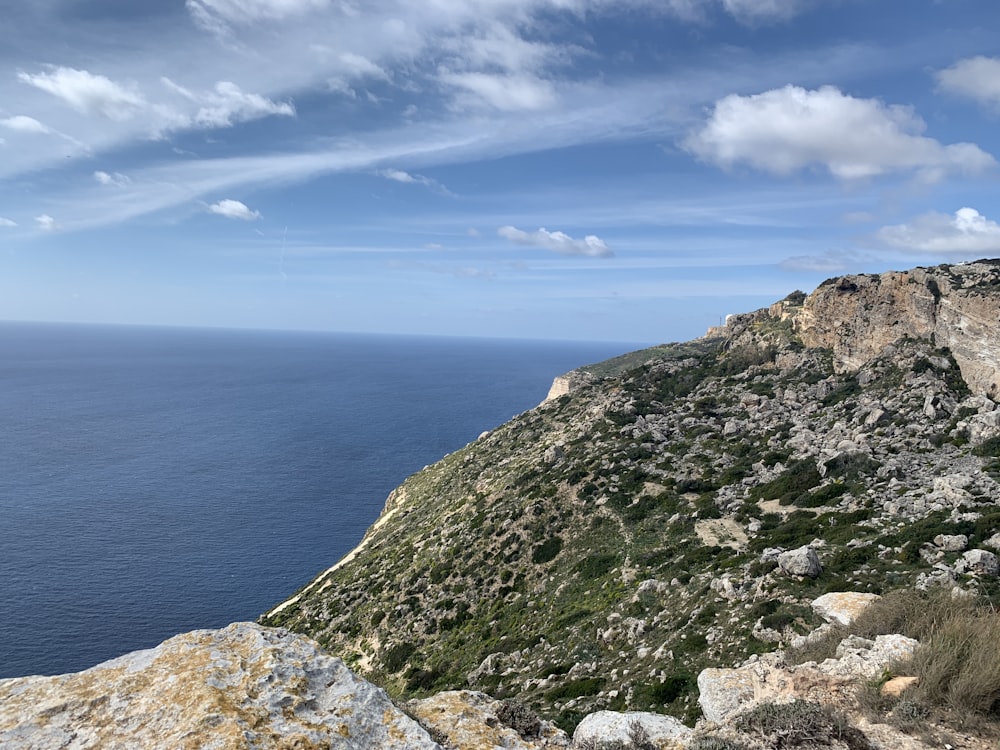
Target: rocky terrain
{"x":678,"y":508}
{"x":683,"y":547}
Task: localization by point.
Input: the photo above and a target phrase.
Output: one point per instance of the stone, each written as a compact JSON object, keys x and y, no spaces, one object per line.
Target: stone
{"x":951,"y":542}
{"x":803,"y":562}
{"x":242,"y":686}
{"x":722,"y":692}
{"x":842,"y":608}
{"x":897,"y":685}
{"x":665,"y":732}
{"x":472,"y":720}
{"x":980,"y":562}
{"x":867,"y":659}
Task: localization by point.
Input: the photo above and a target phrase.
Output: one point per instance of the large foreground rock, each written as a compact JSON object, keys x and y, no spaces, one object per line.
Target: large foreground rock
{"x":244,"y":686}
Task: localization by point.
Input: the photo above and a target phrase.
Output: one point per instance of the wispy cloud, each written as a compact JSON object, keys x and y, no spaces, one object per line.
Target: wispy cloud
{"x":25,"y":124}
{"x":833,"y":261}
{"x":116,"y":179}
{"x":46,"y":223}
{"x":232,"y":209}
{"x":7,"y":222}
{"x":87,"y":92}
{"x":559,"y":242}
{"x":398,"y":175}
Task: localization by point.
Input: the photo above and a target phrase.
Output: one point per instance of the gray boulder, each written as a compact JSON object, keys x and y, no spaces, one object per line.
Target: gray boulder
{"x":803,"y":562}
{"x":979,"y":561}
{"x":611,"y":726}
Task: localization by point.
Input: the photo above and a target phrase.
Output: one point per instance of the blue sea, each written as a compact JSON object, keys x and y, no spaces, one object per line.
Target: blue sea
{"x":158,"y":480}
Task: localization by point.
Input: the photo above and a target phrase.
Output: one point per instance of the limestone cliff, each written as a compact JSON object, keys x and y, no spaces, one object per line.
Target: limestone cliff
{"x":955,"y":306}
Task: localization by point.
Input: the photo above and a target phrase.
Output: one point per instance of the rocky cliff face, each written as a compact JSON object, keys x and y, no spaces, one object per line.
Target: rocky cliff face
{"x":677,"y":508}
{"x":954,"y":306}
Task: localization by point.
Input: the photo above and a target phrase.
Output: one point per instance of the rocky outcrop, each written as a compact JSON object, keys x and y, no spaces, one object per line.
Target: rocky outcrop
{"x":858,"y":316}
{"x":240,"y":687}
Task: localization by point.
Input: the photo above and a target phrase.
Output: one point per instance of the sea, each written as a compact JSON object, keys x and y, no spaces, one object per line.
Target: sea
{"x":160,"y":480}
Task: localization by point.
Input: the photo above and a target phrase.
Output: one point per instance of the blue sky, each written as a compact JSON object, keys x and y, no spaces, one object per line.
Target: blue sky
{"x":628,"y":170}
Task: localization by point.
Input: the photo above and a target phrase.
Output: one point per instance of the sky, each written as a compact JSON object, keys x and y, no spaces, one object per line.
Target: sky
{"x":614,"y":170}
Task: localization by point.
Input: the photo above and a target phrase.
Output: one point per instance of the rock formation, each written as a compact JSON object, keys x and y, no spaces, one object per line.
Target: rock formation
{"x":240,"y":687}
{"x":955,"y":306}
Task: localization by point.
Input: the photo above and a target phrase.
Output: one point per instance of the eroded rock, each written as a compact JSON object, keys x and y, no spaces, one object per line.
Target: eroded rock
{"x":238,"y":687}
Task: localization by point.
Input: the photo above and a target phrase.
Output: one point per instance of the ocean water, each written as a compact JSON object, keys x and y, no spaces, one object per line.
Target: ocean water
{"x":156,"y":480}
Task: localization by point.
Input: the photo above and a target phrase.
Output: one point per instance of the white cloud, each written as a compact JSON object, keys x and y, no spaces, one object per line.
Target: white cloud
{"x":228,"y":105}
{"x":46,"y":223}
{"x":25,"y":124}
{"x":508,"y":93}
{"x":975,"y":77}
{"x":591,"y":245}
{"x":784,"y":130}
{"x":398,"y":175}
{"x":829,"y":262}
{"x":117,"y":179}
{"x":7,"y":222}
{"x":234,"y":210}
{"x":215,"y":15}
{"x":753,"y":11}
{"x":87,"y":93}
{"x":967,"y":232}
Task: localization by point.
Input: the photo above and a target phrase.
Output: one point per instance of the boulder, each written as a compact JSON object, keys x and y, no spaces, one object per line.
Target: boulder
{"x":802,"y":562}
{"x":866,"y":659}
{"x":980,"y":562}
{"x":605,"y":727}
{"x":722,"y":692}
{"x":241,"y":686}
{"x":842,"y":608}
{"x":471,"y":720}
{"x":951,"y":542}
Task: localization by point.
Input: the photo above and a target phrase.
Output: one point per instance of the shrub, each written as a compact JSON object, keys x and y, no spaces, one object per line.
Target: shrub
{"x":576,"y":688}
{"x":394,"y":657}
{"x":547,"y":550}
{"x":520,"y":718}
{"x":800,"y":724}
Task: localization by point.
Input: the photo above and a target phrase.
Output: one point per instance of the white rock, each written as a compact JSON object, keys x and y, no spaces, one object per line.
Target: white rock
{"x":800,"y":562}
{"x":951,"y":542}
{"x":601,"y":727}
{"x":842,"y":607}
{"x":722,"y":692}
{"x":241,"y":686}
{"x":979,"y":561}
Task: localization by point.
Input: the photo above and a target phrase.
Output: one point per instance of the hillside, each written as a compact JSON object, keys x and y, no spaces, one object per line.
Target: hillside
{"x":677,"y":508}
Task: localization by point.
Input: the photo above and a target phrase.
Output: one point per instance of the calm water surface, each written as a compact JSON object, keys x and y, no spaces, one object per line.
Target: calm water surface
{"x":157,"y":480}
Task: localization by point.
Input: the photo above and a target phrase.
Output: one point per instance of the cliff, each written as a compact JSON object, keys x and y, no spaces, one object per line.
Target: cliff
{"x":953,"y":306}
{"x":677,"y":508}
